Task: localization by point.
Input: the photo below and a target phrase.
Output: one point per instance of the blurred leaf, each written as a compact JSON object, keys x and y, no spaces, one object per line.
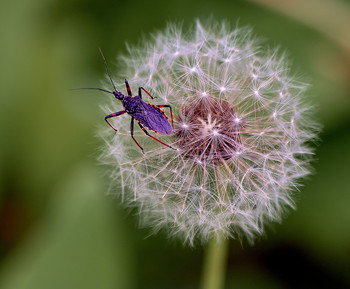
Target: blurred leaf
{"x":78,"y":244}
{"x":252,"y":278}
{"x":322,"y":217}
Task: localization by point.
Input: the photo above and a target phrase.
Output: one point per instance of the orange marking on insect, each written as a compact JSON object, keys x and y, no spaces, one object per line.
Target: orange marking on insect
{"x":164,"y":114}
{"x":157,"y":108}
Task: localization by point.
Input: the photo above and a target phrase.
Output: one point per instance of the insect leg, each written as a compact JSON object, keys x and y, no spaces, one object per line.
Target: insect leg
{"x":146,"y":132}
{"x":140,"y":94}
{"x":171,"y":112}
{"x":128,"y":87}
{"x":132,"y":134}
{"x":113,"y":115}
{"x":145,"y":91}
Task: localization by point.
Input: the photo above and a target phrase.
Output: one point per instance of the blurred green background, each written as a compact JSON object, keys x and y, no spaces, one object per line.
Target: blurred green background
{"x":59,"y":228}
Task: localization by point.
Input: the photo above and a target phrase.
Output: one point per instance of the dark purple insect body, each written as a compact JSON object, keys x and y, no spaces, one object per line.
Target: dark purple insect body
{"x":148,"y":116}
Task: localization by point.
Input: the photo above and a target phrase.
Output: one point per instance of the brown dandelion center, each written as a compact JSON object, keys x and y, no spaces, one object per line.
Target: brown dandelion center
{"x":208,"y":130}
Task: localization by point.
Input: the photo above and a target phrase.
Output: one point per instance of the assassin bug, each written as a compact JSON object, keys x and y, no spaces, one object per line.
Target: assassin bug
{"x":147,"y":115}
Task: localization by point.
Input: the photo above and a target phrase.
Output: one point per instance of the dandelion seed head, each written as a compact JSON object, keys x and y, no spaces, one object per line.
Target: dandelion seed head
{"x":241,"y":128}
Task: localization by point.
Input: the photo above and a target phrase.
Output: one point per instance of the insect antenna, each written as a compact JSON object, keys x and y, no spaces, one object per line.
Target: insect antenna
{"x":104,"y":60}
{"x":94,"y":88}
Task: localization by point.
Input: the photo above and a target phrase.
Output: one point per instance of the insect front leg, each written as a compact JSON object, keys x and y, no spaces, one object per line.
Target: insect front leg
{"x":132,"y":134}
{"x":128,"y":87}
{"x":171,"y":112}
{"x":113,"y":115}
{"x":146,"y":132}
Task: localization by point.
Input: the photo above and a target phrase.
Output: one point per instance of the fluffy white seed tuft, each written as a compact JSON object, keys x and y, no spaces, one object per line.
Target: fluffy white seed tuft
{"x":241,"y":128}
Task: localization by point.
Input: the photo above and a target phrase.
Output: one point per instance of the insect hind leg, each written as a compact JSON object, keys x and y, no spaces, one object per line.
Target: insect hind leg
{"x":147,"y":133}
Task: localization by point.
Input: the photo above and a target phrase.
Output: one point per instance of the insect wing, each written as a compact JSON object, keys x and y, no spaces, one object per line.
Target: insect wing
{"x":153,"y":118}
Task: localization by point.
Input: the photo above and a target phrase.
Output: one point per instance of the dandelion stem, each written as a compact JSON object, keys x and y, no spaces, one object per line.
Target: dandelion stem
{"x":214,"y":266}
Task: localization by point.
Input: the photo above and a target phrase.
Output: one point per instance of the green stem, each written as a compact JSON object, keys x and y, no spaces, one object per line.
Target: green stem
{"x":214,"y":267}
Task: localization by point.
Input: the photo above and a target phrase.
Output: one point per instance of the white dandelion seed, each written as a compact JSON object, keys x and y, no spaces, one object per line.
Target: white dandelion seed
{"x":240,"y":131}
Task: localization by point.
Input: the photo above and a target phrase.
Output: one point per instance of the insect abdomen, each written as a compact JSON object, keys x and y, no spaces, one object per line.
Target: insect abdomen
{"x":153,"y":118}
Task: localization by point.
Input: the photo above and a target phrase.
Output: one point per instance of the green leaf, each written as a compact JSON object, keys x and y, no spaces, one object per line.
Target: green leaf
{"x":78,"y":244}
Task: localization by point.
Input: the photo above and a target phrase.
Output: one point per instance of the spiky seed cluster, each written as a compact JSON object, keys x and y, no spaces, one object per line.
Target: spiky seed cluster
{"x":241,"y":128}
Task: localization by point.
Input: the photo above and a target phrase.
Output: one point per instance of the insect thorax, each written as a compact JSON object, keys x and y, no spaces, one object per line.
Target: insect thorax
{"x":131,"y":103}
